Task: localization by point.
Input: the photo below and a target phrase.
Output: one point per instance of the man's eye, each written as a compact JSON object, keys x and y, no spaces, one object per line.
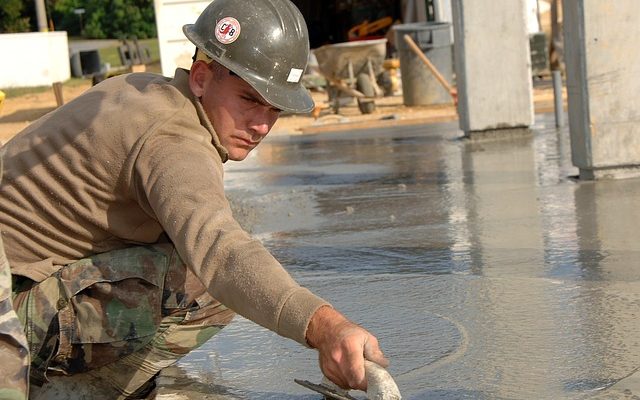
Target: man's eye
{"x":250,"y":100}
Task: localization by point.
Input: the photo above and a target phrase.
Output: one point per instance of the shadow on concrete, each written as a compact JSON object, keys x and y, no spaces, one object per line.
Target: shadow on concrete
{"x":26,"y":115}
{"x":175,"y":383}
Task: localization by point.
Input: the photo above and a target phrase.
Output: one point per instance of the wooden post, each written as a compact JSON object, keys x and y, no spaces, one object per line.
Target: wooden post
{"x":57,"y":91}
{"x":1,"y":99}
{"x":556,"y":57}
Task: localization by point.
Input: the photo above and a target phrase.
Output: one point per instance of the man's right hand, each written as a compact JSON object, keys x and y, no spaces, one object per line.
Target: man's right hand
{"x":343,"y":346}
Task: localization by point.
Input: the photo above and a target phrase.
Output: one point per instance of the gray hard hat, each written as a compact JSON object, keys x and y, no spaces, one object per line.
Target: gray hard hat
{"x":265,"y":42}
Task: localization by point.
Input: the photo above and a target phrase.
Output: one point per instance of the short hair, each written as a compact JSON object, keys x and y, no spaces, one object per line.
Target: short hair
{"x":201,"y":55}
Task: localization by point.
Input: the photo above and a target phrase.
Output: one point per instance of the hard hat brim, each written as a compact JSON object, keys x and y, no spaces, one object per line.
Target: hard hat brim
{"x":295,"y":99}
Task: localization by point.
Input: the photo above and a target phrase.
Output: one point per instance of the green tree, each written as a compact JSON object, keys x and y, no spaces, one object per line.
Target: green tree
{"x":107,"y":18}
{"x":12,"y":18}
{"x":64,"y":17}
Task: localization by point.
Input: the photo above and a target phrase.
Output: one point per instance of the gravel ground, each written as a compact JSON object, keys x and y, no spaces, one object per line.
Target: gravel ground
{"x":18,"y":111}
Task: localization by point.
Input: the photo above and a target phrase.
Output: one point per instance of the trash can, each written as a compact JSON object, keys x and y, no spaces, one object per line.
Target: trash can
{"x":76,"y":66}
{"x":419,"y":86}
{"x":90,"y":61}
{"x":85,"y":63}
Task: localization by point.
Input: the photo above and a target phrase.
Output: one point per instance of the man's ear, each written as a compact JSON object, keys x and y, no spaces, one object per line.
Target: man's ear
{"x":198,"y":77}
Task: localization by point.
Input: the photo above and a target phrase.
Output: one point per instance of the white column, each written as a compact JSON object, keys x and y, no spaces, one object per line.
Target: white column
{"x":603,"y":82}
{"x":493,"y":67}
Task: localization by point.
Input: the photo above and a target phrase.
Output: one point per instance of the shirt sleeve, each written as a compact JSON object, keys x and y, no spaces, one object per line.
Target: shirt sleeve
{"x":181,"y":181}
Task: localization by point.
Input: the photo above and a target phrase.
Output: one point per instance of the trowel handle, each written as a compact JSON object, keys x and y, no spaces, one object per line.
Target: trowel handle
{"x":380,"y":384}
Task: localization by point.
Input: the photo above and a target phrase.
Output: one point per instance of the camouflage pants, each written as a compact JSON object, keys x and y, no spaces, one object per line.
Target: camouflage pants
{"x":120,"y":316}
{"x":14,"y":353}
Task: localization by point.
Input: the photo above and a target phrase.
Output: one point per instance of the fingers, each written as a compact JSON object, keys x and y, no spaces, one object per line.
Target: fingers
{"x":373,"y":353}
{"x":345,"y":365}
{"x":330,"y":371}
{"x":343,"y":347}
{"x":354,"y":365}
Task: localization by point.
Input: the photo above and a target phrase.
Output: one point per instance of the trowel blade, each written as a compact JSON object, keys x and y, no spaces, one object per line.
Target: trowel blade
{"x":325,"y":390}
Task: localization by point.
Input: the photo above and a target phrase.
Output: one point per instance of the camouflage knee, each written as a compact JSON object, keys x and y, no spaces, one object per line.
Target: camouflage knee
{"x":177,"y":335}
{"x":14,"y":353}
{"x":139,"y":307}
{"x":94,"y":311}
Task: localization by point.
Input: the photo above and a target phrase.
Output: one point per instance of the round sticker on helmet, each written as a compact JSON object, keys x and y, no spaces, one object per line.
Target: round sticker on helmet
{"x":227,"y":30}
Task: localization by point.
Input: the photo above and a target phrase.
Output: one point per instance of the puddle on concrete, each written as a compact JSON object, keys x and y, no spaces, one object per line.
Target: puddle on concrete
{"x":484,"y":270}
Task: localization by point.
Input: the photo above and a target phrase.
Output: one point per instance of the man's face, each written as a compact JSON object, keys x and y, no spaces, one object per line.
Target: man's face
{"x":239,"y":115}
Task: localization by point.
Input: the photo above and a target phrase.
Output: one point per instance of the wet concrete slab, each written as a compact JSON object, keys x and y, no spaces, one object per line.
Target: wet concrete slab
{"x":484,"y":267}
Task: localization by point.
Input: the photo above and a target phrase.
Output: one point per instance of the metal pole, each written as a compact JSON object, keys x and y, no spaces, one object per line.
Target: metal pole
{"x":41,"y":13}
{"x":558,"y":104}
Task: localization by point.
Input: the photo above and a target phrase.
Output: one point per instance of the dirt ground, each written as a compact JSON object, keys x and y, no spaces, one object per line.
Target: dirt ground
{"x":17,"y":112}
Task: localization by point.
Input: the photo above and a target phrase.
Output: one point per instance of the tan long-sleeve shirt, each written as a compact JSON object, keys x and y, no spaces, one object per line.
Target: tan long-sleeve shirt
{"x":128,"y":160}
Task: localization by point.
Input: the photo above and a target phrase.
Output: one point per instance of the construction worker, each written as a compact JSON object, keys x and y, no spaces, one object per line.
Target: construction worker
{"x":123,"y":249}
{"x":14,"y":351}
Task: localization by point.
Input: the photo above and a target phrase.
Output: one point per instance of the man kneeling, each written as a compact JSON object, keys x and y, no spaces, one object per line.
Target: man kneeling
{"x":123,"y":249}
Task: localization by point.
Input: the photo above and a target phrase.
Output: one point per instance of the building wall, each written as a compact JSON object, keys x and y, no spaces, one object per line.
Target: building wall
{"x":175,"y":49}
{"x":33,"y":59}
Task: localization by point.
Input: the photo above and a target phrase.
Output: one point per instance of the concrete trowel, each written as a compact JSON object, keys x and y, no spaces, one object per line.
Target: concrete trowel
{"x":380,"y":385}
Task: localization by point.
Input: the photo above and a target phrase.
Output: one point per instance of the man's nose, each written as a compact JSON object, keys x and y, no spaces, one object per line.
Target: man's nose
{"x":262,"y":121}
{"x":260,"y":128}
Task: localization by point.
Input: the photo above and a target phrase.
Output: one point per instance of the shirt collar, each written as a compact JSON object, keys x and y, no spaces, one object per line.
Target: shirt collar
{"x":181,"y":82}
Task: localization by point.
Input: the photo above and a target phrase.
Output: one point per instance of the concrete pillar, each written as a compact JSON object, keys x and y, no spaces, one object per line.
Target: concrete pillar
{"x":493,"y":68}
{"x":602,"y":61}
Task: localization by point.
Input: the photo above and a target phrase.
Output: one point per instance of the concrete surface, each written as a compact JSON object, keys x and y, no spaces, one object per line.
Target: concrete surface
{"x":484,"y":267}
{"x":19,"y":111}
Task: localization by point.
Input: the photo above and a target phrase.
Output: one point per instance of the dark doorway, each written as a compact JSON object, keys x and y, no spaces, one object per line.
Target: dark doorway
{"x":330,"y":21}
